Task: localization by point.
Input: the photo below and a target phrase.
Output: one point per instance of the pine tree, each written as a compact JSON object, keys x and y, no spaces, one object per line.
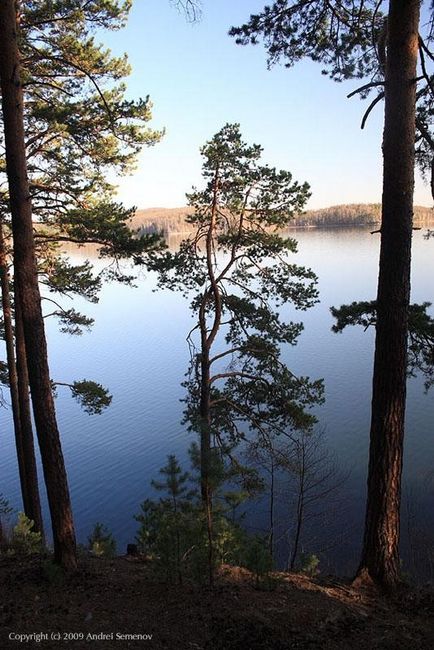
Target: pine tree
{"x":165,"y":524}
{"x":25,"y":276}
{"x":72,"y":126}
{"x":359,"y":40}
{"x":236,"y":266}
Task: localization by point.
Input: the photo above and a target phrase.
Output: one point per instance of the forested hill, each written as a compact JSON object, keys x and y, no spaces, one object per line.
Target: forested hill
{"x":172,"y":220}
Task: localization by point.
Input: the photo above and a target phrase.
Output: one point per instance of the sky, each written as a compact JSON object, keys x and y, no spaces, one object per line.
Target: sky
{"x":198,"y":80}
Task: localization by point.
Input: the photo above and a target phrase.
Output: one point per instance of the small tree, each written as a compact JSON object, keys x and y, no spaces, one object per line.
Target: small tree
{"x":257,"y":558}
{"x":301,"y":479}
{"x":237,"y":267}
{"x":165,"y":530}
{"x":24,"y":539}
{"x":172,"y":530}
{"x":261,"y":455}
{"x":314,"y":480}
{"x":101,"y":542}
{"x":5,"y":511}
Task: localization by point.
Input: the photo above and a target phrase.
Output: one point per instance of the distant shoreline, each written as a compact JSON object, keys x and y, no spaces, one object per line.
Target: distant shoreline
{"x":172,"y":221}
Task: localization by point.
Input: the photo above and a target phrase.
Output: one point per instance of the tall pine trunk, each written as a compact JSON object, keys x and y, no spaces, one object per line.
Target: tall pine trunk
{"x":207,"y":340}
{"x":205,"y":455}
{"x":380,"y":555}
{"x":20,"y":406}
{"x":12,"y":369}
{"x":26,"y":418}
{"x":26,"y":281}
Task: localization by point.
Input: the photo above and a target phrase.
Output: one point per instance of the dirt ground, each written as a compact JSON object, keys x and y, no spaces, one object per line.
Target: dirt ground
{"x":118,"y":604}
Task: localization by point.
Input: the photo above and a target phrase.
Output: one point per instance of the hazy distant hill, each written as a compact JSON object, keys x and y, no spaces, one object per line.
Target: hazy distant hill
{"x":169,"y":220}
{"x":172,"y":220}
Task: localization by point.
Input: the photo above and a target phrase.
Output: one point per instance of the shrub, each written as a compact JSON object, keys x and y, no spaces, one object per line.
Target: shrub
{"x":5,"y":511}
{"x":257,"y":558}
{"x":101,"y":542}
{"x":309,"y":564}
{"x":173,"y":531}
{"x":23,"y":540}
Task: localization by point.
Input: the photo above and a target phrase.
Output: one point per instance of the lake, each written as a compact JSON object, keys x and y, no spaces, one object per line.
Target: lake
{"x":138,"y":349}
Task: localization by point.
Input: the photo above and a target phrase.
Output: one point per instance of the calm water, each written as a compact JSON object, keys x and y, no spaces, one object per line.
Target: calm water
{"x":137,"y":348}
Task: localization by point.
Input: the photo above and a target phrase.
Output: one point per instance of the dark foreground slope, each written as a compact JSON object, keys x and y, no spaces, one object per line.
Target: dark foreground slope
{"x":109,"y":601}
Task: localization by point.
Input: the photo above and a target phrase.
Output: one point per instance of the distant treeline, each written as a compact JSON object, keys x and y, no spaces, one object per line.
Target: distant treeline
{"x":172,"y":221}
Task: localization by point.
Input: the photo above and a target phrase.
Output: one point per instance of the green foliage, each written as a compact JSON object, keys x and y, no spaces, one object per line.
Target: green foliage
{"x":23,"y":540}
{"x":80,"y":129}
{"x":68,"y":279}
{"x":420,"y":332}
{"x":169,"y":525}
{"x":349,"y":40}
{"x":72,"y":322}
{"x":257,"y":558}
{"x":237,"y":269}
{"x":92,"y":397}
{"x":217,"y":472}
{"x":357,"y":313}
{"x":5,"y":511}
{"x":339,"y":35}
{"x":175,"y":481}
{"x":229,"y":538}
{"x":309,"y":564}
{"x":106,"y":223}
{"x":85,"y":118}
{"x":173,"y":533}
{"x":101,"y":542}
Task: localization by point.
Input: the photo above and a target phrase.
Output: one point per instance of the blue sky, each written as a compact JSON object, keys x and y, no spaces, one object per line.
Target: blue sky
{"x":198,"y":80}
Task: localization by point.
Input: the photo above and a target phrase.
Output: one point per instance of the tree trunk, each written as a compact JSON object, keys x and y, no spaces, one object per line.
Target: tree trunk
{"x":26,"y":281}
{"x":21,"y":416}
{"x":12,"y":370}
{"x":207,"y":340}
{"x":26,"y":418}
{"x":380,"y":555}
{"x":205,"y":453}
{"x":300,"y":506}
{"x":271,"y":534}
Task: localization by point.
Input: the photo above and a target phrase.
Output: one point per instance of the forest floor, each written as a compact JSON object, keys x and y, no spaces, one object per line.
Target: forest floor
{"x":119,"y":604}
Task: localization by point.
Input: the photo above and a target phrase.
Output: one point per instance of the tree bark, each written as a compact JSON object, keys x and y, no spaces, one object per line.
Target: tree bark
{"x":205,"y":440}
{"x":20,"y":411}
{"x":26,"y":418}
{"x":300,"y":504}
{"x":271,"y":534}
{"x":12,"y":370}
{"x":380,"y":555}
{"x":26,"y":280}
{"x":207,"y":339}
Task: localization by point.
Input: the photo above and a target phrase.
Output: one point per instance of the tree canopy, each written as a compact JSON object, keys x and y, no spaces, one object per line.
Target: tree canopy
{"x":349,"y":40}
